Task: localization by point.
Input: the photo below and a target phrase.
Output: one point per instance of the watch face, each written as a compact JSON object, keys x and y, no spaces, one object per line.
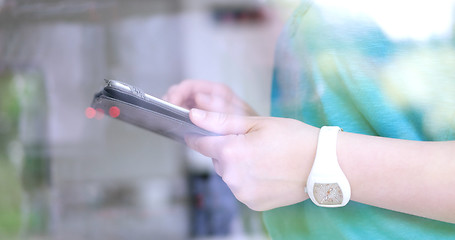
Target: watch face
{"x":328,"y":193}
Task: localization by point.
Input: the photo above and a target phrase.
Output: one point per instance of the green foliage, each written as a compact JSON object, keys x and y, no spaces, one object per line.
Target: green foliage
{"x":10,"y":201}
{"x":9,"y":100}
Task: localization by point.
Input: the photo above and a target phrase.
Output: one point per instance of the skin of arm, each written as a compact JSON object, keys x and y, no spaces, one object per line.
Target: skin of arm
{"x":266,"y":161}
{"x":413,"y":177}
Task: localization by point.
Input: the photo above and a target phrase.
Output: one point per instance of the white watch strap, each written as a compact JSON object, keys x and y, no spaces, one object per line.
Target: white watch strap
{"x":327,"y":185}
{"x":326,"y":154}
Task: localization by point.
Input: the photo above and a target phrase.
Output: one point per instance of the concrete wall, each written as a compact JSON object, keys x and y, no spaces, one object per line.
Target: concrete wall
{"x":110,"y":180}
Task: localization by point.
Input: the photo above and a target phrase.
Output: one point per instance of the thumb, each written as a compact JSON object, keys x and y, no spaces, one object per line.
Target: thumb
{"x":222,"y":123}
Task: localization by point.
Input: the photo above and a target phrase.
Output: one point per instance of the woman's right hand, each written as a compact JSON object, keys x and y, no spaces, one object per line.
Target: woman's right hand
{"x":209,"y":96}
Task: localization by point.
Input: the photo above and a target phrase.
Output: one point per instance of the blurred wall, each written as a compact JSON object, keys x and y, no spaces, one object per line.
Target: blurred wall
{"x":107,"y":179}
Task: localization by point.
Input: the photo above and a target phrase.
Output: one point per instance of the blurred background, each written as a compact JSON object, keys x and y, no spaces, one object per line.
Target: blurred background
{"x":64,"y":176}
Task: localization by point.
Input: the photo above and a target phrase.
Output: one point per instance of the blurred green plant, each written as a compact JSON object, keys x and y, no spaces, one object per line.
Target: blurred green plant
{"x":24,"y":158}
{"x":10,"y":201}
{"x":10,"y":184}
{"x":9,"y":113}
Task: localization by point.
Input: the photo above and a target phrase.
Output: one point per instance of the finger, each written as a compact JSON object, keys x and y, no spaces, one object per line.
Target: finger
{"x":225,"y":152}
{"x":203,"y":101}
{"x":207,"y":87}
{"x":222,"y":123}
{"x":165,"y":97}
{"x":173,"y":95}
{"x":212,"y":103}
{"x":217,"y":167}
{"x":207,"y":146}
{"x":186,"y":90}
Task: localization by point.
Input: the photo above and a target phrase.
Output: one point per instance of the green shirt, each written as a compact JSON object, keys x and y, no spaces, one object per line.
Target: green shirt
{"x":367,"y":68}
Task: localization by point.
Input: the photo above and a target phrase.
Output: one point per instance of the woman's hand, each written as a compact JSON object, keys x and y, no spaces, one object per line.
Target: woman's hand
{"x":210,"y":96}
{"x":265,"y":161}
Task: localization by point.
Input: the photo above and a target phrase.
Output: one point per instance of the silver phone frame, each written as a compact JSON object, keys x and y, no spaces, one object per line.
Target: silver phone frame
{"x":125,"y":87}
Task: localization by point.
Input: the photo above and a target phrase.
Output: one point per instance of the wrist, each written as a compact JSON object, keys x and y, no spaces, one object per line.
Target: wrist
{"x":308,"y":146}
{"x":327,"y":185}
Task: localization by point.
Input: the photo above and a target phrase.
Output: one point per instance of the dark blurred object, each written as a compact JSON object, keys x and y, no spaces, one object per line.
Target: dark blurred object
{"x":213,"y":207}
{"x":239,"y":15}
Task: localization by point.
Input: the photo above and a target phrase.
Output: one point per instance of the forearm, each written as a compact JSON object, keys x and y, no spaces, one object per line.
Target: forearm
{"x":406,"y":176}
{"x":266,"y":163}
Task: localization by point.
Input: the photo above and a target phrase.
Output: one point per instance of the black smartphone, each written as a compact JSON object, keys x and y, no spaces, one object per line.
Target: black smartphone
{"x":132,"y":105}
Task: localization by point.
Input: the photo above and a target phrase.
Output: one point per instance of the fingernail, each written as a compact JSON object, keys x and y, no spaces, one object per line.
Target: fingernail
{"x":198,"y":114}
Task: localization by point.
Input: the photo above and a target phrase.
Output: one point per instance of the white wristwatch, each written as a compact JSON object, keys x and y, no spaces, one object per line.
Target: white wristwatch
{"x":327,"y":185}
